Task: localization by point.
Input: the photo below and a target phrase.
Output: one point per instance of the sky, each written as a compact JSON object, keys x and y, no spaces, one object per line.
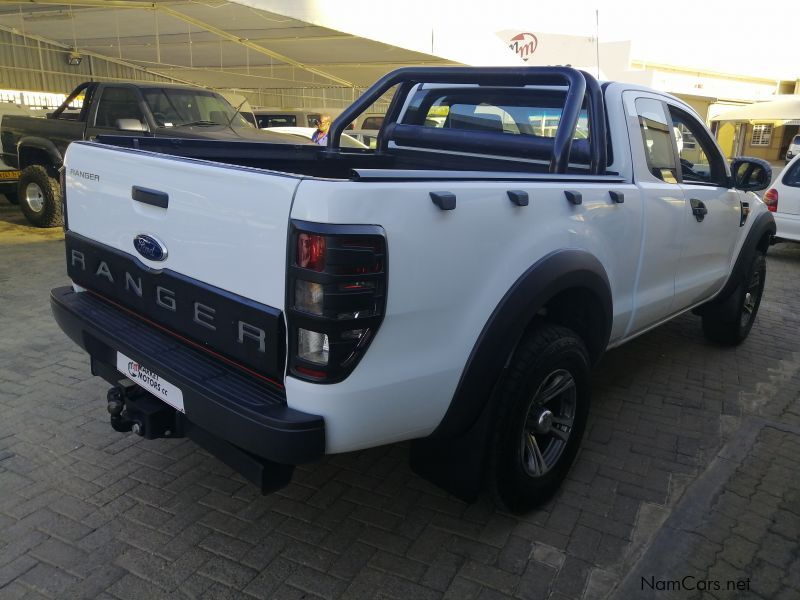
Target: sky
{"x":758,"y":37}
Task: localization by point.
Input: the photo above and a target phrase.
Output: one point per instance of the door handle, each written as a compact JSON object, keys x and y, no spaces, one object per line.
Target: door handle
{"x":151,"y":197}
{"x":699,"y":209}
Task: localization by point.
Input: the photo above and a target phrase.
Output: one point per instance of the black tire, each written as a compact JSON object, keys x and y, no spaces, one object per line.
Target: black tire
{"x":732,"y":321}
{"x":40,"y":197}
{"x":550,"y":357}
{"x":11,"y":197}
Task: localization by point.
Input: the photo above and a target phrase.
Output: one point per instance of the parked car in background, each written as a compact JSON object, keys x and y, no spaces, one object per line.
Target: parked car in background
{"x":241,"y":104}
{"x":306,"y":132}
{"x":145,"y":109}
{"x":794,"y":148}
{"x":367,"y":127}
{"x":783,"y":199}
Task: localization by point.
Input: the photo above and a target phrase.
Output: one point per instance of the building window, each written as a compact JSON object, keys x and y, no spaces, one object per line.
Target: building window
{"x":762,"y":134}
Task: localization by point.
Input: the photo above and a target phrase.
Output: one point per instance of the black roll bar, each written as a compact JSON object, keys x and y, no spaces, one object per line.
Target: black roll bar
{"x":579,"y":85}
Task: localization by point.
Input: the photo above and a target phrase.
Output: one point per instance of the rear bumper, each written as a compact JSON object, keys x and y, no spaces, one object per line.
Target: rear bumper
{"x":220,"y":399}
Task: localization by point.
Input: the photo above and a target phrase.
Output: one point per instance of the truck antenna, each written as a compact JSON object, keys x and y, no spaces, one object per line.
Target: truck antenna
{"x":597,"y":39}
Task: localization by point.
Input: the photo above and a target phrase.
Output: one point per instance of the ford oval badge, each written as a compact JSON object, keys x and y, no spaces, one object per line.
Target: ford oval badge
{"x":149,"y":247}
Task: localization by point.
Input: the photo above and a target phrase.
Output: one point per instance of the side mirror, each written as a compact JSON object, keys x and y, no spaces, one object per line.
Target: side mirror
{"x":751,"y":174}
{"x":130,"y":125}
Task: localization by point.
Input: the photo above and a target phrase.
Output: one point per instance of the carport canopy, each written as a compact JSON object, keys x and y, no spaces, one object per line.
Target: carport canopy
{"x":786,"y":110}
{"x":213,"y":43}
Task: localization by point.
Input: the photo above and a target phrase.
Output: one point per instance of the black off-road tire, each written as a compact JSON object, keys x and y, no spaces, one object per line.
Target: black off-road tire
{"x":40,"y":197}
{"x":731,"y":322}
{"x":545,"y":352}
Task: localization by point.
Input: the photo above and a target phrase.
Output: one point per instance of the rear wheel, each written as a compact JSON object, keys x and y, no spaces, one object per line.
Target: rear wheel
{"x":731,"y":324}
{"x":542,"y":410}
{"x":40,"y":197}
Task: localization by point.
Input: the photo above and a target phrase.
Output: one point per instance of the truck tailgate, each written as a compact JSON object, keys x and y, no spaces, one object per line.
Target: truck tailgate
{"x":222,"y":231}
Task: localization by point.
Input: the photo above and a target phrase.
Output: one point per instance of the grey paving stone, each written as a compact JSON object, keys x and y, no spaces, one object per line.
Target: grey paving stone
{"x":88,"y":512}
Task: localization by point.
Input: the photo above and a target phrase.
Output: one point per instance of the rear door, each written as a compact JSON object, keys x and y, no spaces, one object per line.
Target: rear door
{"x":712,"y":215}
{"x":663,"y":205}
{"x":198,"y":248}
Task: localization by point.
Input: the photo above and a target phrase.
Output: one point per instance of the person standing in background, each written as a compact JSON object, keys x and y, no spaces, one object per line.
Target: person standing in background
{"x":320,"y":136}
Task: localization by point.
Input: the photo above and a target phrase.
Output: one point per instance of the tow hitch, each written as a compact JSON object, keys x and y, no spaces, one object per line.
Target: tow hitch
{"x":133,"y":409}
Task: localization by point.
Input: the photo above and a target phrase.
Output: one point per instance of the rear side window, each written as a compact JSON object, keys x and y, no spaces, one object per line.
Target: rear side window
{"x":792,"y":177}
{"x":511,"y":123}
{"x":657,"y":139}
{"x":372,"y":123}
{"x":524,"y":112}
{"x":117,"y":103}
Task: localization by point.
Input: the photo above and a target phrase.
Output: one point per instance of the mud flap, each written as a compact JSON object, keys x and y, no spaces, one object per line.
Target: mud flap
{"x":455,"y":464}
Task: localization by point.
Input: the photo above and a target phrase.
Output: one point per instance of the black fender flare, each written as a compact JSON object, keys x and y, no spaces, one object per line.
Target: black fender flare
{"x":454,"y":455}
{"x":39,"y":143}
{"x":762,"y":228}
{"x":554,"y":273}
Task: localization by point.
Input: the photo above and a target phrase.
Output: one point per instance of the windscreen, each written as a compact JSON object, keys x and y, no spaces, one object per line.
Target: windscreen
{"x":182,"y":107}
{"x":265,"y":121}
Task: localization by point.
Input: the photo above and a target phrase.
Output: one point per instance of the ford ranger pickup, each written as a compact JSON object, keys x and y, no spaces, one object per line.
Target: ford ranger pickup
{"x":452,"y":286}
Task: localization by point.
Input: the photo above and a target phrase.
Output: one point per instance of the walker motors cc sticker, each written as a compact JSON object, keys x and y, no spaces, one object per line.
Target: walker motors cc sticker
{"x":151,"y":382}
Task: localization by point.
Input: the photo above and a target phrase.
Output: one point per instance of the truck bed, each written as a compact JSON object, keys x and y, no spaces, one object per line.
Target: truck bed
{"x":318,"y":161}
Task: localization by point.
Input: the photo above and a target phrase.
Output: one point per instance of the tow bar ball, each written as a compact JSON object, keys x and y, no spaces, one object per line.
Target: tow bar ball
{"x":133,"y":409}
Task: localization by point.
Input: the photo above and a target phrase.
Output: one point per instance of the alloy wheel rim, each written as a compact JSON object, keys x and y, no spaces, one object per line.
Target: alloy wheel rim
{"x":34,"y":197}
{"x":549,"y":422}
{"x":751,"y":298}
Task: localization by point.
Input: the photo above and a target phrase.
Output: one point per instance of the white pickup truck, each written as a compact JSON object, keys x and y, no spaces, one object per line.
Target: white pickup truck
{"x":452,"y":286}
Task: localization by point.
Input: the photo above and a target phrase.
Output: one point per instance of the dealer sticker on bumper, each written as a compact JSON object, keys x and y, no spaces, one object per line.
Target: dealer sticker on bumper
{"x":151,"y":382}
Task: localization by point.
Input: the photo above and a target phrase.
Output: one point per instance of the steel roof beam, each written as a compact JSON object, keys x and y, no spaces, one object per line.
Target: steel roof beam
{"x":111,"y":59}
{"x":167,"y":10}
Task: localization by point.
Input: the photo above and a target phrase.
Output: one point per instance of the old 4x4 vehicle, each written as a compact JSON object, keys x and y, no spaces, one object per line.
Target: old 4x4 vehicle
{"x":453,"y":286}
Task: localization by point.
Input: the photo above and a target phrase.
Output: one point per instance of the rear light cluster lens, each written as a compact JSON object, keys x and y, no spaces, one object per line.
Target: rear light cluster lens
{"x":771,"y":200}
{"x":336,"y":297}
{"x":311,"y":251}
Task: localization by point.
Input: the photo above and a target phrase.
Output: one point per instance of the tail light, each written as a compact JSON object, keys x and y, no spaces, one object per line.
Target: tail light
{"x":336,"y":297}
{"x":771,"y":200}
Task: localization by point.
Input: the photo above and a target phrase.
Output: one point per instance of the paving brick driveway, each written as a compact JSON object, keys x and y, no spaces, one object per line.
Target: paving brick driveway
{"x":87,"y":512}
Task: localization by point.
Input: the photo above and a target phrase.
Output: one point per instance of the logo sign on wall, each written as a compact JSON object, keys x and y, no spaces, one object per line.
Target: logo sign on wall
{"x":523,"y":45}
